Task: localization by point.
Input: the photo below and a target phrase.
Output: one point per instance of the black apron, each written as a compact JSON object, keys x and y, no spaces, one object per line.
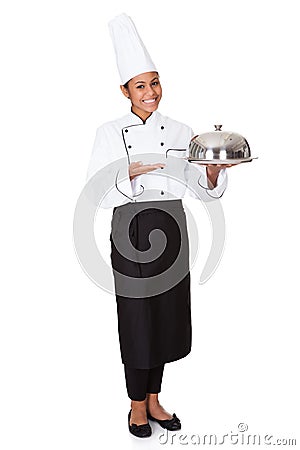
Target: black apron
{"x":153,"y":302}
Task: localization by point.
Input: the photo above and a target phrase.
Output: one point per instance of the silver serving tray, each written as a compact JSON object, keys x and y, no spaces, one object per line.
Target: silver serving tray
{"x":221,"y":161}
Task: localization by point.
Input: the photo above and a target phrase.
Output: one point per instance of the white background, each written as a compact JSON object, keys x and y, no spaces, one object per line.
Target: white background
{"x":232,"y":62}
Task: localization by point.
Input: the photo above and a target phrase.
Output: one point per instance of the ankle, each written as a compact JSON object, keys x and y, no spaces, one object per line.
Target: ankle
{"x":152,"y":400}
{"x":138,"y":405}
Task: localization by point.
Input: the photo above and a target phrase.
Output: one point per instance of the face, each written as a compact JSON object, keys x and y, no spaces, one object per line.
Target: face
{"x":144,"y":92}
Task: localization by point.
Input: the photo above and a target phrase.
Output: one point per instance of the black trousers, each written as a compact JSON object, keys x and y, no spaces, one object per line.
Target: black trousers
{"x":139,"y":382}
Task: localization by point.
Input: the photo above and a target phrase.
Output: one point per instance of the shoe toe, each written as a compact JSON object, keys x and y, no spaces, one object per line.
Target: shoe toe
{"x":141,"y":431}
{"x":174,"y":423}
{"x":169,"y":424}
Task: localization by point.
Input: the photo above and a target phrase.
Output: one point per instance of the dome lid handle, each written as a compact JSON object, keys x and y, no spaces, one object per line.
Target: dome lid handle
{"x":218,"y":127}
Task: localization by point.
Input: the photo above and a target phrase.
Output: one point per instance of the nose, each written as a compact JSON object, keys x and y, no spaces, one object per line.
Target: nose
{"x":150,"y":90}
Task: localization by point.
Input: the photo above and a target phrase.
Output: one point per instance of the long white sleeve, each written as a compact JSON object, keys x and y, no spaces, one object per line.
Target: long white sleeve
{"x":199,"y":185}
{"x":114,"y":171}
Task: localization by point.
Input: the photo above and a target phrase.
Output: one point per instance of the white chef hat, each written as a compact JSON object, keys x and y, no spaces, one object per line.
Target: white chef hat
{"x":131,"y":54}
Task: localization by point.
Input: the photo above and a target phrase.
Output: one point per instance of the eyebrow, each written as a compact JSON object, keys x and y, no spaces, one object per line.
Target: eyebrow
{"x":155,"y":78}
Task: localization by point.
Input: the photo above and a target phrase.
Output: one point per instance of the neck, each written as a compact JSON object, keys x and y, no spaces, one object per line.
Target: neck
{"x":140,"y":113}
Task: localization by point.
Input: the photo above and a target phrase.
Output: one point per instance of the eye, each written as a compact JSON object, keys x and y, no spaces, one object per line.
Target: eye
{"x":155,"y":83}
{"x":141,"y":86}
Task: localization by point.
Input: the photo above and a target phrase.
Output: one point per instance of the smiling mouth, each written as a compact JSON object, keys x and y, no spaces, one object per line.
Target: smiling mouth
{"x":149,"y":102}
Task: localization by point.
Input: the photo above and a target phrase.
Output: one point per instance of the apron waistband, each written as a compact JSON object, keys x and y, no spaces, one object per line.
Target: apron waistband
{"x":142,"y":207}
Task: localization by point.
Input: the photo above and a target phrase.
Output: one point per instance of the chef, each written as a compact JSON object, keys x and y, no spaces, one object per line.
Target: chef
{"x":154,"y":328}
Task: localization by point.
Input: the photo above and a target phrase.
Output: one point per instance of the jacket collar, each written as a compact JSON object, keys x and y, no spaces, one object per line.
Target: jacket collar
{"x":151,"y":120}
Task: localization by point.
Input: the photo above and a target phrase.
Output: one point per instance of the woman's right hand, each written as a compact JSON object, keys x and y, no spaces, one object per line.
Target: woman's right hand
{"x":138,"y":168}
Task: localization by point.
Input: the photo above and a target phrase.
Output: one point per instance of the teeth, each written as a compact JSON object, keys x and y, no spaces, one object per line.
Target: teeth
{"x":149,"y":101}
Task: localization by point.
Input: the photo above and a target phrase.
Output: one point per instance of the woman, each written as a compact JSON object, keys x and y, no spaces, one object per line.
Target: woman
{"x":154,"y":323}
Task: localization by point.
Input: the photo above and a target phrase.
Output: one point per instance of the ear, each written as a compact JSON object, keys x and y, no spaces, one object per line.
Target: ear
{"x":124,"y":91}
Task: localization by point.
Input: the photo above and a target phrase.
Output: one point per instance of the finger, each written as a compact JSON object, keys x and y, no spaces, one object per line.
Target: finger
{"x":149,"y":169}
{"x":145,"y":170}
{"x":154,"y":166}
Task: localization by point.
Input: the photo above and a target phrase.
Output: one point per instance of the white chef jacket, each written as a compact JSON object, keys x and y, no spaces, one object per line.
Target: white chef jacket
{"x":132,"y":139}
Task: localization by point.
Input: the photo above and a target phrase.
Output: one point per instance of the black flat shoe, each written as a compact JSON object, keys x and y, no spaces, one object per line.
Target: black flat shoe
{"x":141,"y":431}
{"x":169,"y":424}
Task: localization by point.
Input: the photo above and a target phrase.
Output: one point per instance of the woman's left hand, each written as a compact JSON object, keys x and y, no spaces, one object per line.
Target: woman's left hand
{"x":213,"y":170}
{"x":216,"y":168}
